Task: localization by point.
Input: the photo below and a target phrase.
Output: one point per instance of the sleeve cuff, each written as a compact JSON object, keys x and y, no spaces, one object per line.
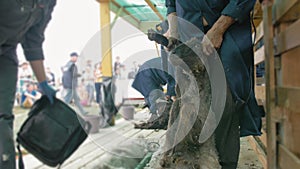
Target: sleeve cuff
{"x":34,"y":54}
{"x":171,"y":10}
{"x":239,"y":11}
{"x":234,"y":11}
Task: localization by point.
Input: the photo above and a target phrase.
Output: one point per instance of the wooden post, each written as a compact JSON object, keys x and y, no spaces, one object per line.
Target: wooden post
{"x":116,"y":17}
{"x":270,"y":84}
{"x":105,"y":38}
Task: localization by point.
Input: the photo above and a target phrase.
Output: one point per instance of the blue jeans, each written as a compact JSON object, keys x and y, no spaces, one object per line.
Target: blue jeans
{"x":151,"y":100}
{"x":8,"y":81}
{"x":98,"y":92}
{"x":72,"y":94}
{"x":90,"y":90}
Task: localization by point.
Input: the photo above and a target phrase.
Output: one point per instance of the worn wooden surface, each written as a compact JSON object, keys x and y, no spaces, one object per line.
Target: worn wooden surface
{"x":270,"y":84}
{"x":98,"y":144}
{"x":290,"y":67}
{"x":286,"y":11}
{"x":282,"y":49}
{"x":89,"y":154}
{"x":287,"y":160}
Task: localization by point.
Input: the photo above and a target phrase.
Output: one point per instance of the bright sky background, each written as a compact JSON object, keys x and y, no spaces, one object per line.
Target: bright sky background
{"x":73,"y":25}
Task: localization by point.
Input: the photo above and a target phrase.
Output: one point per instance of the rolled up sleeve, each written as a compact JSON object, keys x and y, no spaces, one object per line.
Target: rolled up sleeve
{"x":32,"y":42}
{"x":239,"y":9}
{"x":171,"y":6}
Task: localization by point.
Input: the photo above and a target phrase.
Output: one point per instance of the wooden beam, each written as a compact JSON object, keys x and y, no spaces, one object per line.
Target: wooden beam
{"x":105,"y":38}
{"x":154,"y":9}
{"x":260,"y":92}
{"x":289,"y":98}
{"x":287,"y":160}
{"x":116,"y":17}
{"x":259,"y":151}
{"x":286,"y":11}
{"x":270,"y":83}
{"x":257,"y":15}
{"x":125,"y":14}
{"x":263,"y":140}
{"x":259,"y":33}
{"x":289,"y":64}
{"x":259,"y":55}
{"x":288,"y":39}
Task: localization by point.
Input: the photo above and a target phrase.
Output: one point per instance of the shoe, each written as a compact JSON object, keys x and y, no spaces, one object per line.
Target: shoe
{"x":164,"y":106}
{"x":160,"y":123}
{"x":153,"y":117}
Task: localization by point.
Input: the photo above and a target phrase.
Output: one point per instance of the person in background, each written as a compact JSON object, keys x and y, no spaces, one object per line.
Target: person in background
{"x":29,"y":96}
{"x":50,"y":77}
{"x":25,"y":76}
{"x":98,"y":82}
{"x":117,"y":67}
{"x":20,"y":22}
{"x":70,"y":82}
{"x":89,"y":84}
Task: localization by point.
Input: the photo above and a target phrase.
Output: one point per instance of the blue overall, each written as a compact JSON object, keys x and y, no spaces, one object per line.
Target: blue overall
{"x":149,"y":81}
{"x":236,"y":51}
{"x":236,"y":54}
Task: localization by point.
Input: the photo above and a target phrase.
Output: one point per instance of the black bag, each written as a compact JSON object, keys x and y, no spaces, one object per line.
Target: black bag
{"x":52,"y":132}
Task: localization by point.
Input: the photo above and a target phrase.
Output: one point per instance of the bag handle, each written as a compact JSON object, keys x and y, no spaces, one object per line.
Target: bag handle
{"x":21,"y":163}
{"x":87,"y":126}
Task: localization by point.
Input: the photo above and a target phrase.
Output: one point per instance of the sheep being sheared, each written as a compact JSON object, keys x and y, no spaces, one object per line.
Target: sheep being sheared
{"x":182,"y":149}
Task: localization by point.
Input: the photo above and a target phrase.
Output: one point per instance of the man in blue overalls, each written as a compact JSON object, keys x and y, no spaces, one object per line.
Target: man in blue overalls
{"x":227,"y":25}
{"x":20,"y":21}
{"x":149,"y":81}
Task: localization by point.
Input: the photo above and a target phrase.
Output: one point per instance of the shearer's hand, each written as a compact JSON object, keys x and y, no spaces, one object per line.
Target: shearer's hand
{"x":47,"y":90}
{"x":211,"y":41}
{"x":214,"y":37}
{"x":172,"y":33}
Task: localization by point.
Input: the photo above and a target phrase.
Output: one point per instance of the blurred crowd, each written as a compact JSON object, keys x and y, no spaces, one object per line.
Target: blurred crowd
{"x":89,"y":82}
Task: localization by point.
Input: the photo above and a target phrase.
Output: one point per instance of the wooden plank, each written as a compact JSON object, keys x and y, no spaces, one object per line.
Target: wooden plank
{"x":259,"y":55}
{"x":106,"y":54}
{"x":263,"y":140}
{"x":289,"y":68}
{"x":289,"y":98}
{"x":90,"y":159}
{"x":290,"y":131}
{"x":270,"y":83}
{"x":286,"y":10}
{"x":288,"y":39}
{"x":99,"y":151}
{"x":259,"y":33}
{"x":260,"y":81}
{"x":154,"y":9}
{"x":259,"y":151}
{"x":287,"y":160}
{"x":146,"y":133}
{"x":260,"y":92}
{"x":257,"y":16}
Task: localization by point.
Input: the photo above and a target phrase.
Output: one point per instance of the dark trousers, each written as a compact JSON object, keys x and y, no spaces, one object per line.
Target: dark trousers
{"x":227,"y":135}
{"x":8,"y":82}
{"x":98,"y":92}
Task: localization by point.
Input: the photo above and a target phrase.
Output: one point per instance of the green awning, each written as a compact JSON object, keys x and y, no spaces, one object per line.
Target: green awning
{"x":143,"y":14}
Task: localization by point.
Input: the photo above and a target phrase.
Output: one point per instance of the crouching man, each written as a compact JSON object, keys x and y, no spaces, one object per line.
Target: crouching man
{"x":149,"y":81}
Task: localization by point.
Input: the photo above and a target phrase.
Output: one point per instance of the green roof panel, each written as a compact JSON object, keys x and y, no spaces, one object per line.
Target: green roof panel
{"x":141,"y":10}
